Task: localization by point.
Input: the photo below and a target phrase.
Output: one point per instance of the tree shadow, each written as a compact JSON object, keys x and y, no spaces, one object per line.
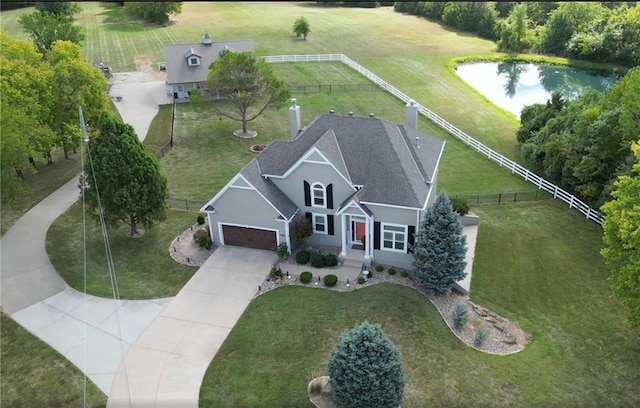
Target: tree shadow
{"x":117,"y":19}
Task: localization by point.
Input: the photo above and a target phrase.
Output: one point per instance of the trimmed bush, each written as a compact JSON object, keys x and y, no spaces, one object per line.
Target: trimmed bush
{"x":481,"y":336}
{"x":282,"y":251}
{"x":317,"y":260}
{"x":404,"y":274}
{"x":305,"y":277}
{"x":200,"y":219}
{"x":330,"y":280}
{"x":392,"y":271}
{"x":203,"y":239}
{"x":330,"y":260}
{"x":360,"y":280}
{"x":200,"y":233}
{"x":302,"y":257}
{"x":460,"y":206}
{"x":379,"y":268}
{"x":460,"y":315}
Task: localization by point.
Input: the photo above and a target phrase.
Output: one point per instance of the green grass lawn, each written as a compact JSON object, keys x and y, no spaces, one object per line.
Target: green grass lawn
{"x":535,"y":263}
{"x":144,"y":268}
{"x":35,"y":375}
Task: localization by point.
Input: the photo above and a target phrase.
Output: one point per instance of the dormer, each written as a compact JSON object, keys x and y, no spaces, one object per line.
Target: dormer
{"x":192,"y":57}
{"x":206,"y":39}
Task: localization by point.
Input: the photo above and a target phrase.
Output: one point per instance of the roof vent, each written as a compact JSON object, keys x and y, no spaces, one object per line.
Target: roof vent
{"x":350,"y":113}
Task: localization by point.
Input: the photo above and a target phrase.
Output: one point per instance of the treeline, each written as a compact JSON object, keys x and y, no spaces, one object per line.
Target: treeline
{"x":361,"y":4}
{"x":602,"y":32}
{"x":584,"y":144}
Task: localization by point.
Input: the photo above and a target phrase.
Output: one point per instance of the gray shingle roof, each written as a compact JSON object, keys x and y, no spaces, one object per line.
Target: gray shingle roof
{"x":377,"y":154}
{"x":178,"y":72}
{"x":269,"y":190}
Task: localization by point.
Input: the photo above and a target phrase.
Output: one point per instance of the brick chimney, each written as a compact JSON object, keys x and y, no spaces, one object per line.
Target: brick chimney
{"x":411,"y":115}
{"x":294,"y":119}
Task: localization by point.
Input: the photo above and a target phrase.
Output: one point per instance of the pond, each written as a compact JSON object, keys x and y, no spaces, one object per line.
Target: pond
{"x":513,"y":85}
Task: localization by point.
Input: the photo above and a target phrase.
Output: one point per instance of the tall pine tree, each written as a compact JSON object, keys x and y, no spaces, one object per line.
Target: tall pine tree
{"x":365,"y":370}
{"x":440,"y":247}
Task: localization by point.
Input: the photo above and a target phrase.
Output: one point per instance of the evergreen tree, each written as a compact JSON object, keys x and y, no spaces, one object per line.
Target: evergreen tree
{"x":132,"y":188}
{"x":365,"y":370}
{"x":440,"y":247}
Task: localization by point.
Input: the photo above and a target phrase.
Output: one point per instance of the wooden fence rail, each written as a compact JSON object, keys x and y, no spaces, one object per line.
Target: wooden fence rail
{"x":515,"y":168}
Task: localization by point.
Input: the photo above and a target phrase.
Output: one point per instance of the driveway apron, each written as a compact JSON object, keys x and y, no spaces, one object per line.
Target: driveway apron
{"x":166,"y":365}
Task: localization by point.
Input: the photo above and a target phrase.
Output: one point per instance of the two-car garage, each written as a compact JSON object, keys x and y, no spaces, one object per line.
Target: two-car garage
{"x":249,"y":237}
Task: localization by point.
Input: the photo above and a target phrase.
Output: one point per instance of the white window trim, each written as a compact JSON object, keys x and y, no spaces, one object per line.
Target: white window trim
{"x":313,"y":195}
{"x":189,"y":61}
{"x":383,"y":248}
{"x":313,"y":223}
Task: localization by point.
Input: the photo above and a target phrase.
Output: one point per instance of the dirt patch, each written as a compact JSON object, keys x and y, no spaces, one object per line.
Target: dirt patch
{"x":145,"y":66}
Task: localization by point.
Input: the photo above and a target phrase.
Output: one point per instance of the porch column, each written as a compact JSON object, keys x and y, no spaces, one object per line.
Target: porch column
{"x":287,"y":236}
{"x":367,"y":233}
{"x":344,"y":234}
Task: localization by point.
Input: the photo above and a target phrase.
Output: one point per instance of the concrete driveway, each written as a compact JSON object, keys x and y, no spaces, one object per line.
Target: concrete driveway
{"x":166,"y":365}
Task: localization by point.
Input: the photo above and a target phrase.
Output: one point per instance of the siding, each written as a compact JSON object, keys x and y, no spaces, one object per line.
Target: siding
{"x":244,"y":207}
{"x":393,"y":216}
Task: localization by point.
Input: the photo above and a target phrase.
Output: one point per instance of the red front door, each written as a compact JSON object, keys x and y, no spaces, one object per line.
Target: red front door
{"x":358,"y":231}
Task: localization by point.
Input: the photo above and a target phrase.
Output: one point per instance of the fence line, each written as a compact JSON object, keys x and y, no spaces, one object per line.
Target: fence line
{"x":332,"y":87}
{"x":504,"y":197}
{"x":184,"y":204}
{"x":166,"y":148}
{"x":515,"y":168}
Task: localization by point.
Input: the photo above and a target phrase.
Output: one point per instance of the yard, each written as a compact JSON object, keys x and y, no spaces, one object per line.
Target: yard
{"x":536,"y":263}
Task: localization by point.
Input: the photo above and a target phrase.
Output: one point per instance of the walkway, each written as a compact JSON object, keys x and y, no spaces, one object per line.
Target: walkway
{"x":166,"y":365}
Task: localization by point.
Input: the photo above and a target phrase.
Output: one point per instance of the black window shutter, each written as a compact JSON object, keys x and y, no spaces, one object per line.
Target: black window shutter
{"x":307,"y":195}
{"x":330,"y":222}
{"x":376,"y":235}
{"x":330,"y":197}
{"x":411,"y":239}
{"x":307,"y":215}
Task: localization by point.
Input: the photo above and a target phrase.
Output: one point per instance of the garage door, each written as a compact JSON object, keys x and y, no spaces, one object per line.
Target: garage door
{"x":249,"y":237}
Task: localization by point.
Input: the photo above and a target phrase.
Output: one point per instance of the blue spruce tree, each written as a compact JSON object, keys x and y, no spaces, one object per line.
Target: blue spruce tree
{"x":440,"y":247}
{"x":365,"y":370}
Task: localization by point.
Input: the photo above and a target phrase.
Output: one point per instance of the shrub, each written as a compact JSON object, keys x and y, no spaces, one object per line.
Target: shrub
{"x":404,"y":274}
{"x":330,"y":260}
{"x":330,"y":280}
{"x":460,"y":206}
{"x":275,"y":272}
{"x":481,"y":335}
{"x":200,"y":233}
{"x":392,"y":271}
{"x":200,"y":219}
{"x":302,"y":257}
{"x":305,"y":277}
{"x":379,"y":268}
{"x":360,"y":280}
{"x":317,"y":260}
{"x":301,"y":231}
{"x":282,"y":250}
{"x":460,"y":315}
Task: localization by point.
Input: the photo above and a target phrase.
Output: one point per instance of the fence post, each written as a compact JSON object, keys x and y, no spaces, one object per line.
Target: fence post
{"x":186,"y":204}
{"x":499,"y":198}
{"x":515,"y":197}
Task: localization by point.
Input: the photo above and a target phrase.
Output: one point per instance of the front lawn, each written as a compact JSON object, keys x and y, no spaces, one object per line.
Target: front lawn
{"x":35,"y":375}
{"x":536,"y":263}
{"x":143,"y":266}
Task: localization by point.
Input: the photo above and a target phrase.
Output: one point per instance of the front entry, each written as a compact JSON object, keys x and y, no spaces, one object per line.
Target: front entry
{"x":358,"y":229}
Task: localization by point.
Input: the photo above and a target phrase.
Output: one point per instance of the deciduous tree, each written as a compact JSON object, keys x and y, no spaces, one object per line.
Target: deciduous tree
{"x":301,"y":28}
{"x":440,"y":247}
{"x":621,"y":238}
{"x":154,"y":11}
{"x":365,"y":370}
{"x":127,"y":177}
{"x":52,"y":21}
{"x":248,"y":85}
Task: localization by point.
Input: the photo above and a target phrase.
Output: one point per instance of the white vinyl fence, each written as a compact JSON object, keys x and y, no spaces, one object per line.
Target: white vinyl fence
{"x":529,"y":176}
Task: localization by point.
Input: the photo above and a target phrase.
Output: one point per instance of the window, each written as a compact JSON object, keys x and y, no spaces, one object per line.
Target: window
{"x":318,"y":195}
{"x":394,"y":237}
{"x":194,"y":61}
{"x":319,"y":223}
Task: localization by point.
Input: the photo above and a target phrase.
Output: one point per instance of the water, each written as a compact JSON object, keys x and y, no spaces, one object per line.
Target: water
{"x":513,"y":85}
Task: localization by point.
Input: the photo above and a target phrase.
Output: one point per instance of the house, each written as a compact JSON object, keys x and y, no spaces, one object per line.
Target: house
{"x":187,"y":65}
{"x":362,"y":181}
